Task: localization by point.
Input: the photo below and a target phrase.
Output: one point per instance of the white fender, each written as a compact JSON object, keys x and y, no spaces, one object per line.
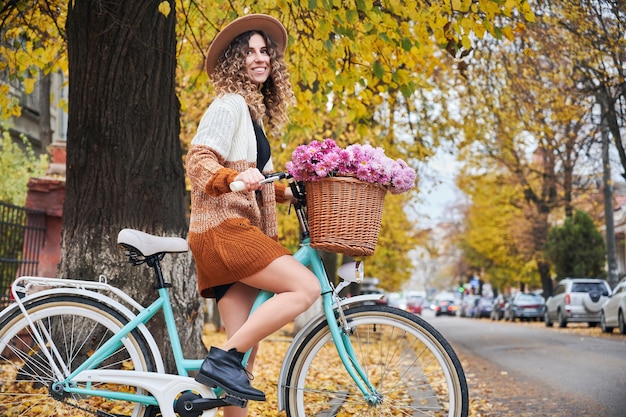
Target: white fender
{"x":39,"y":287}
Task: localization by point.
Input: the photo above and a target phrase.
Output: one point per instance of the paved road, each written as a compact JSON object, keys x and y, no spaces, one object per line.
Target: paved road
{"x":589,"y":370}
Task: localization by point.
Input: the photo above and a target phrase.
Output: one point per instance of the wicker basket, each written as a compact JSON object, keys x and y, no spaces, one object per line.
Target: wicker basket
{"x":344,"y":215}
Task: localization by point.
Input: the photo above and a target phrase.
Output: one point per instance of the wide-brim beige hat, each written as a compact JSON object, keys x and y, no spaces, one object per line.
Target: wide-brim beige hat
{"x":262,"y":22}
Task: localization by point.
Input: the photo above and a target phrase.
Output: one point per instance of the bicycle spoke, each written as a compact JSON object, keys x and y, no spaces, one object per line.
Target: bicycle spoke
{"x":73,"y":328}
{"x":412,"y":372}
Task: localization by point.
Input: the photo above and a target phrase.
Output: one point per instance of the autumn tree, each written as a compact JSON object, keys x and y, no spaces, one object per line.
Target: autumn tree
{"x":489,"y":236}
{"x":528,"y":114}
{"x":32,"y":45}
{"x":124,"y":160}
{"x":597,"y":29}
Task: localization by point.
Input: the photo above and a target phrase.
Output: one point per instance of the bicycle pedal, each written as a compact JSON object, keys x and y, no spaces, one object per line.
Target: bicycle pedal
{"x":234,"y":400}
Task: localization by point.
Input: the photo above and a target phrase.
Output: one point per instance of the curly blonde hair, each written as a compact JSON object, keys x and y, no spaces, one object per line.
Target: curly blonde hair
{"x":268,"y":103}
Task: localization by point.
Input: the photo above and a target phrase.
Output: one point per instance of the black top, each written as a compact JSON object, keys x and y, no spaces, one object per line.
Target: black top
{"x":262,"y":146}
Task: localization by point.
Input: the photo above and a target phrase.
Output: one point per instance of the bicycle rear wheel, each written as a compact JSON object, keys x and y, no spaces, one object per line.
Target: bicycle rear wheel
{"x":409,"y":362}
{"x":75,"y":326}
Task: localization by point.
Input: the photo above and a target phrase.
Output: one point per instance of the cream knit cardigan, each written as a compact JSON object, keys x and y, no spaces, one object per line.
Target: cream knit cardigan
{"x":224,"y":145}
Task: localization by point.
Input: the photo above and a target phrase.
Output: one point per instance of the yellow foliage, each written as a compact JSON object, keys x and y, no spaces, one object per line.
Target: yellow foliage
{"x":164,"y":8}
{"x":331,"y":51}
{"x":31,"y":42}
{"x":266,"y":370}
{"x":461,"y":5}
{"x":29,"y":85}
{"x":508,"y":33}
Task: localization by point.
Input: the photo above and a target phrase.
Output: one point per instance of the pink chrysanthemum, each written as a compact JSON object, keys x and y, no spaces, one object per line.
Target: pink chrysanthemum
{"x":326,"y":159}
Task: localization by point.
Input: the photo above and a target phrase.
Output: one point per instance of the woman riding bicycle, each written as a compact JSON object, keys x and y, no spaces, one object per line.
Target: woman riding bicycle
{"x":233,"y":236}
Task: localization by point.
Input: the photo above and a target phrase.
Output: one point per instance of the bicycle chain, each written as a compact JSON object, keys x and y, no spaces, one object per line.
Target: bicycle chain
{"x":97,"y":413}
{"x":100,"y":413}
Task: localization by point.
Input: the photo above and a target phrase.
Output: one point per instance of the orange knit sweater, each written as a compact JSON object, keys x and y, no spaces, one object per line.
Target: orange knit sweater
{"x":231,"y":235}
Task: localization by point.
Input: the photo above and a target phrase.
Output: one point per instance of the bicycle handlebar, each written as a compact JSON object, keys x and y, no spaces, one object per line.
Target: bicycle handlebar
{"x":236,"y":186}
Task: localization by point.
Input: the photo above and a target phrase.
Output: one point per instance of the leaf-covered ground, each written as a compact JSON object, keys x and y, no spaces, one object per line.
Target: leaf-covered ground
{"x":493,"y":392}
{"x":267,"y":367}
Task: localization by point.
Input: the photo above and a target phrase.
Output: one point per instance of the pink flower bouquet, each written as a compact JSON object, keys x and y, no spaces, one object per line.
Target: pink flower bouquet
{"x":319,"y":160}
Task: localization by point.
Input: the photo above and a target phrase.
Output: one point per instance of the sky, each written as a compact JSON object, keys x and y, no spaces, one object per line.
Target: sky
{"x":438,"y":192}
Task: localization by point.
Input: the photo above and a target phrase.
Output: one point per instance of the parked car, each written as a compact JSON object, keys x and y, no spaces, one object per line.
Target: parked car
{"x":483,"y":307}
{"x":414,"y":304}
{"x":525,"y":306}
{"x":497,"y":307}
{"x":577,"y":300}
{"x":613,"y":312}
{"x":445,"y":306}
{"x":468,"y":305}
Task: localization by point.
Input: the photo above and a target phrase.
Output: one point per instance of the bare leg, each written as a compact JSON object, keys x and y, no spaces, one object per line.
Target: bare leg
{"x":235,"y":308}
{"x":296,"y":290}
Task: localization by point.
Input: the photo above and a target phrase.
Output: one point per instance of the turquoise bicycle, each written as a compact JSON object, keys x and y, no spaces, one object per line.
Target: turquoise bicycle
{"x":76,"y":348}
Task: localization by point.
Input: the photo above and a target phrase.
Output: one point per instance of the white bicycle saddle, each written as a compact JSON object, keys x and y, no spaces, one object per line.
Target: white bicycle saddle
{"x":147,"y":244}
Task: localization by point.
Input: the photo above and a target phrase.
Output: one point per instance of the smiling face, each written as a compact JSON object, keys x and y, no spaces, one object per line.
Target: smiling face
{"x":258,"y":64}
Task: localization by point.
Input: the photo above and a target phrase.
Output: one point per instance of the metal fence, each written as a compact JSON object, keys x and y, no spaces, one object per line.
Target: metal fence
{"x":22,"y":233}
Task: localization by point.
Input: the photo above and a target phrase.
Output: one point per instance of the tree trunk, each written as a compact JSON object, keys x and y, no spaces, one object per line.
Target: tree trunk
{"x":124,"y":159}
{"x":546,"y":279}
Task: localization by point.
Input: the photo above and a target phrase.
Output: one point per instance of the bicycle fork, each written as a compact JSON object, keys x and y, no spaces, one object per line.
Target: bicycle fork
{"x":341,"y":337}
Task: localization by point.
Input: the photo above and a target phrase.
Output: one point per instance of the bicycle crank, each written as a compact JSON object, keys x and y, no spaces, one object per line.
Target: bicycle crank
{"x":191,"y":404}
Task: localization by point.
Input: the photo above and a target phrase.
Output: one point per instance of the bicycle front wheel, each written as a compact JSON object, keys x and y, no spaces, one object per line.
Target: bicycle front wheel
{"x":409,"y":363}
{"x":72,"y":328}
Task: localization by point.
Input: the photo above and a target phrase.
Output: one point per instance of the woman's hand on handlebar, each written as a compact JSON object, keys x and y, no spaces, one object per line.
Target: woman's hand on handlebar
{"x":248,"y":180}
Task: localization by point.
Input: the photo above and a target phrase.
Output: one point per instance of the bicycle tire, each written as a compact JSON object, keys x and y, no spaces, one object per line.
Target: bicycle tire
{"x":407,"y":360}
{"x":77,"y":326}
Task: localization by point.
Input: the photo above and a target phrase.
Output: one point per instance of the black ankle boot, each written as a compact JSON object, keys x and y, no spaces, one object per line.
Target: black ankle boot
{"x":224,"y":369}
